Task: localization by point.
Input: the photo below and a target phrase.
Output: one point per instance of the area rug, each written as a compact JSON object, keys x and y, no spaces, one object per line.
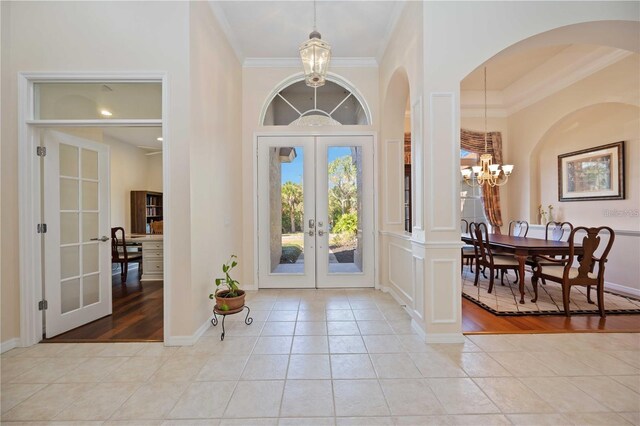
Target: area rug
{"x":503,"y":300}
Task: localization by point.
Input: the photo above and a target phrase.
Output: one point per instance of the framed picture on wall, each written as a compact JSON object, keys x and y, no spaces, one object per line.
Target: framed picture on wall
{"x":592,"y":174}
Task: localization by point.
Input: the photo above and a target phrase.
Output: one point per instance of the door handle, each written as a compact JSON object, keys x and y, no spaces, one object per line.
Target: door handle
{"x":320,"y":233}
{"x":311,"y":232}
{"x":103,"y":239}
{"x":312,"y":223}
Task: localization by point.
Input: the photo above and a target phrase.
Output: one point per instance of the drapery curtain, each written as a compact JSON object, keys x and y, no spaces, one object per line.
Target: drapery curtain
{"x":474,"y":142}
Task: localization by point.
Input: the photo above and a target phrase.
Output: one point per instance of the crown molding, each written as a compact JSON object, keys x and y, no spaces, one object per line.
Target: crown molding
{"x":226,"y":29}
{"x":398,"y":8}
{"x":364,"y":62}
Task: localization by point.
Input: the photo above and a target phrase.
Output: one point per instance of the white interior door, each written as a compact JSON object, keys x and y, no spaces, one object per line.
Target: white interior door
{"x":77,"y":244}
{"x":315,"y":212}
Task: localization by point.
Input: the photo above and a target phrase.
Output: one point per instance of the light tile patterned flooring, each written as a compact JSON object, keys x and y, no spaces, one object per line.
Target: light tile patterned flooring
{"x":345,"y":357}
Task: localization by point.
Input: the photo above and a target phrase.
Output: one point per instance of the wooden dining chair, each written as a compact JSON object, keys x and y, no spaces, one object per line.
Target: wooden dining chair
{"x":585,"y":270}
{"x":553,"y":231}
{"x":486,"y":258}
{"x":518,"y":228}
{"x":120,"y":254}
{"x":468,"y":252}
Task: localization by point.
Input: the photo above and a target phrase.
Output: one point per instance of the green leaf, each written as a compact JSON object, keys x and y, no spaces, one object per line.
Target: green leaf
{"x":218,"y":281}
{"x":234,"y":264}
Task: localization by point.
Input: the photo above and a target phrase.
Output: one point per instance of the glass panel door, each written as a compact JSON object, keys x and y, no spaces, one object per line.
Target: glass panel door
{"x":344,"y":188}
{"x":315,"y":212}
{"x":77,"y":242}
{"x":286,"y":223}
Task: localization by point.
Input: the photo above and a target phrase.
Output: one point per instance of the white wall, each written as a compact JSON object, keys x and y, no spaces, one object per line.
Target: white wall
{"x":401,"y":255}
{"x":106,"y":37}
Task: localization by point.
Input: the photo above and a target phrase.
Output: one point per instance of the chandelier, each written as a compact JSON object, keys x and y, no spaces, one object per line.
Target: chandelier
{"x":315,"y":54}
{"x":487,"y":172}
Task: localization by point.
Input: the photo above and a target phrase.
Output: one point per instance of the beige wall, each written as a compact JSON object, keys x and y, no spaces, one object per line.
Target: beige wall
{"x":44,"y":36}
{"x":216,"y":172}
{"x":528,"y":127}
{"x":153,"y":180}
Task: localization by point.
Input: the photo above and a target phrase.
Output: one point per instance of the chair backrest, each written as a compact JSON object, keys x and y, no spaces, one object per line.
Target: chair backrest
{"x":481,"y":242}
{"x":118,"y":245}
{"x":593,"y":254}
{"x":464,"y":225}
{"x":518,"y":228}
{"x":554,"y":231}
{"x":157,"y":227}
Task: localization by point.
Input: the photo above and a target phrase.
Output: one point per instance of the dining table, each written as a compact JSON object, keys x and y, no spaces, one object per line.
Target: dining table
{"x":525,"y":247}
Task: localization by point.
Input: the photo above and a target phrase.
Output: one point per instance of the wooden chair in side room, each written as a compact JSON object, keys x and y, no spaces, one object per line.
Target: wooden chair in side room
{"x":587,"y":270}
{"x":468,"y":252}
{"x":119,"y":253}
{"x":553,"y":231}
{"x":486,"y":258}
{"x":157,"y":227}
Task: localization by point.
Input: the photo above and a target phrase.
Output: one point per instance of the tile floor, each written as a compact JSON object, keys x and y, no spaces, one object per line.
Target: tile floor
{"x":346,"y":357}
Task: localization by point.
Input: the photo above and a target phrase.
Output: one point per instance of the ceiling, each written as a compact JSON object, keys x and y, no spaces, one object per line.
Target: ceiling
{"x":505,"y":70}
{"x":136,"y":136}
{"x":275,"y":29}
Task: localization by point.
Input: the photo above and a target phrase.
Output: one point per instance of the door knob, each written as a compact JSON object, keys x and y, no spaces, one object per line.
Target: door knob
{"x":103,"y":239}
{"x":320,"y":233}
{"x":311,"y":232}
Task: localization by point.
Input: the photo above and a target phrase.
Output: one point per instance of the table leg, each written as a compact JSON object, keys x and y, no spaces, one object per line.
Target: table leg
{"x":521,"y":261}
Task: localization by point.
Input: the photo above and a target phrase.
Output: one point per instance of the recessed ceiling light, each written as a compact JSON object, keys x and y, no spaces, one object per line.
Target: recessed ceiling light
{"x":106,"y":113}
{"x":160,"y":139}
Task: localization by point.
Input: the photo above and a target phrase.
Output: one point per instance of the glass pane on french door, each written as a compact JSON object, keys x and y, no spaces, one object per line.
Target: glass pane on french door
{"x":344,"y":184}
{"x":286,"y":207}
{"x":286,"y":227}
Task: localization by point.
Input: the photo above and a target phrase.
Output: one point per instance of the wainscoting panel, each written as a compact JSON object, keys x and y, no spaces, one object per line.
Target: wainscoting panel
{"x":394,"y":179}
{"x":442,"y":164}
{"x":400,"y":268}
{"x":445,"y":296}
{"x":418,"y":282}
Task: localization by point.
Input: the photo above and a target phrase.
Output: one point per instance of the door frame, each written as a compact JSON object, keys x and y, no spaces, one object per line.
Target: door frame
{"x":29,"y":177}
{"x":316,"y":131}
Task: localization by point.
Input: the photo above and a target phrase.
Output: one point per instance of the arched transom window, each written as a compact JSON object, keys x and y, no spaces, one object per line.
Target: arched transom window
{"x":329,"y":105}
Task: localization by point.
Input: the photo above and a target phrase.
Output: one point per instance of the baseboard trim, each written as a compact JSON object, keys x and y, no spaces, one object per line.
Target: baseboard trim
{"x":189,"y":340}
{"x":418,"y":329}
{"x":9,"y":344}
{"x":445,"y":338}
{"x":617,"y":288}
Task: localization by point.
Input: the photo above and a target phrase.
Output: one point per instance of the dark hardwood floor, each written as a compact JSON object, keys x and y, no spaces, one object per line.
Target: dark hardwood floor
{"x":137,"y":315}
{"x":476,"y":320}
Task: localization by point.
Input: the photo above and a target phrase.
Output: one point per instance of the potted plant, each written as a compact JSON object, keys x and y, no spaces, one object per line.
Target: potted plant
{"x":229,"y":297}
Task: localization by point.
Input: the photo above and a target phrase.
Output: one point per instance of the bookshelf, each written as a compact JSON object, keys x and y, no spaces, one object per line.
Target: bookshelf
{"x":146,"y":207}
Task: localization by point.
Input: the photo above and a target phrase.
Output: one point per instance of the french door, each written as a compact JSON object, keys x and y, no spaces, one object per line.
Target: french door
{"x":77,"y":242}
{"x":315,"y":211}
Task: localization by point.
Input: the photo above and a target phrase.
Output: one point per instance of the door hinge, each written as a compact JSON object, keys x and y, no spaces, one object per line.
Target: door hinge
{"x":43,"y":305}
{"x":41,"y":151}
{"x":42,"y":228}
